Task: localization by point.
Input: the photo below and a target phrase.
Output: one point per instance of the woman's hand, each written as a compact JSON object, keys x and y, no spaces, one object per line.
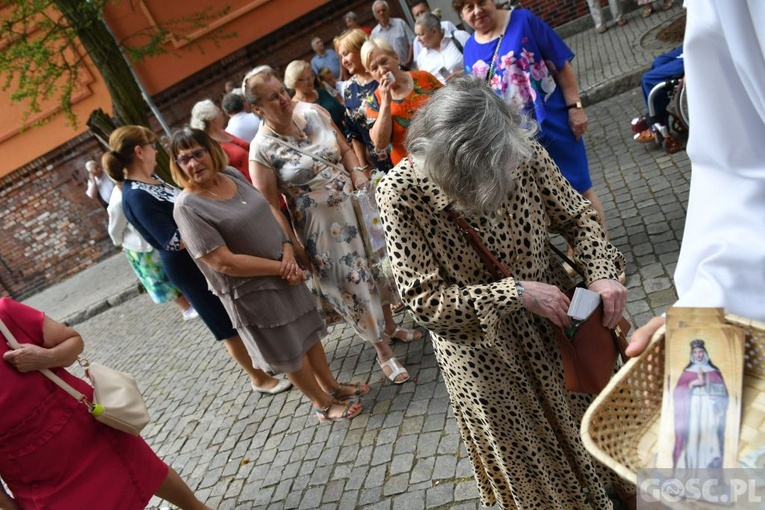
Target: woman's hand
{"x":640,"y":338}
{"x":359,"y":178}
{"x":289,"y":266}
{"x":302,"y":257}
{"x":28,"y":358}
{"x":385,"y":86}
{"x":548,"y":301}
{"x":577,"y":121}
{"x":614,"y":296}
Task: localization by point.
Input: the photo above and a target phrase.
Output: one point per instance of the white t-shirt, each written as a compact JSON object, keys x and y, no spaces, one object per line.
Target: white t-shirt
{"x":243,"y":125}
{"x":448,"y":28}
{"x":445,"y":61}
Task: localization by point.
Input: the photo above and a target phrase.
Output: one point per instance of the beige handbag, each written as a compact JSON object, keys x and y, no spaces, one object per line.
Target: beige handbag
{"x":117,"y":402}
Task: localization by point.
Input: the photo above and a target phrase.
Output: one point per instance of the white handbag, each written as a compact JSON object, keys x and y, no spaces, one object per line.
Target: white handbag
{"x":117,"y":402}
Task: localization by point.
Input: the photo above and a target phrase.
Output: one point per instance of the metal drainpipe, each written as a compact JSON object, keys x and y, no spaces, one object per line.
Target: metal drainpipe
{"x":407,"y":13}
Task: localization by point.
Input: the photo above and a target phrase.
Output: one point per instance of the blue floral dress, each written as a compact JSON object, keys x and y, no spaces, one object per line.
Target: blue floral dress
{"x":529,"y":55}
{"x":319,"y":199}
{"x":356,"y":96}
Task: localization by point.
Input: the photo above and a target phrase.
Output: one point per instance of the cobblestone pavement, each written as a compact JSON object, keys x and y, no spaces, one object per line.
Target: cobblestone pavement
{"x":240,"y":450}
{"x":611,"y":63}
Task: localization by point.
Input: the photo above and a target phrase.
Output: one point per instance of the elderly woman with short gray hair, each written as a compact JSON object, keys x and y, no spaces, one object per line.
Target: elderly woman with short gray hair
{"x":474,"y":155}
{"x":441,"y":53}
{"x":206,"y":116}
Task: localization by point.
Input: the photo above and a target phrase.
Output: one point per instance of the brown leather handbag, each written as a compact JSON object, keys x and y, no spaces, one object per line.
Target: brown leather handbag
{"x":590,"y":351}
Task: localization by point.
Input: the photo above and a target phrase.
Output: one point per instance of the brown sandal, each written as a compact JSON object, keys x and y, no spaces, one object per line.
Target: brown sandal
{"x":644,"y":136}
{"x":667,"y":5}
{"x":647,"y":10}
{"x":359,"y":390}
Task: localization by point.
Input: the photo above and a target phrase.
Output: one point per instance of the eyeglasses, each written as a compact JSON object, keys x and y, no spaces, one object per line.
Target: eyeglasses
{"x":154,"y":144}
{"x":197,"y":155}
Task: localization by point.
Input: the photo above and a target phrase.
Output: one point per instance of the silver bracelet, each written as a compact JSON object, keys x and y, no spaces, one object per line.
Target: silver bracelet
{"x":359,"y":168}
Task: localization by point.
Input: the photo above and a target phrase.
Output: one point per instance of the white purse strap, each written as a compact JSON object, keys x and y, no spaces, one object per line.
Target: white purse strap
{"x":14,"y":344}
{"x":305,"y":153}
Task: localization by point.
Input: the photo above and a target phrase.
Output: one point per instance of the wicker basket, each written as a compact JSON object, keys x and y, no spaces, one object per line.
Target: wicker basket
{"x":621,"y":427}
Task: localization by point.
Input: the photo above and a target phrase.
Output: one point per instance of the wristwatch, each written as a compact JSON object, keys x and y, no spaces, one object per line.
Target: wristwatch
{"x":519,"y":288}
{"x":577,"y":105}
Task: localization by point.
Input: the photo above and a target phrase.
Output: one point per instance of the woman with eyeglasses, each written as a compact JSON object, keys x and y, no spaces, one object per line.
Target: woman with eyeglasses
{"x":148,"y":205}
{"x":299,"y":154}
{"x":236,"y":239}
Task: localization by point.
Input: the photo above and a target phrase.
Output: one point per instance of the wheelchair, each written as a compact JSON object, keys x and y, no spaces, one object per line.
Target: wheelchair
{"x":672,"y":135}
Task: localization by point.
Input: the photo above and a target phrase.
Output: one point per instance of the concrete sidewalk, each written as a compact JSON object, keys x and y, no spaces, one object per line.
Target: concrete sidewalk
{"x":606,"y":65}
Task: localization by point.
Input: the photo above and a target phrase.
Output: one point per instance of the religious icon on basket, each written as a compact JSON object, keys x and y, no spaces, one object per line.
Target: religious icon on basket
{"x":701,"y":409}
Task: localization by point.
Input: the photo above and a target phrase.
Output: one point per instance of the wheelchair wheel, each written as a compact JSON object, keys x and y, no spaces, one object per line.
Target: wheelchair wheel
{"x":681,"y":106}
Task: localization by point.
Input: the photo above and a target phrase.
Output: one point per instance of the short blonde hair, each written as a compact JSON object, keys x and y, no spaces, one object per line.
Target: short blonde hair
{"x":203,"y":113}
{"x":352,"y":40}
{"x":293,"y":72}
{"x":255,"y":78}
{"x":378,"y":43}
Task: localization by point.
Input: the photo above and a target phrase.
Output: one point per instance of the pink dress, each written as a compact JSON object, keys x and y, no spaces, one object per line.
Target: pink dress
{"x":53,"y":454}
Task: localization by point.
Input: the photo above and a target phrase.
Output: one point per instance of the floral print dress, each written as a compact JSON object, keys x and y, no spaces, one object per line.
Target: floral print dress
{"x":356,"y":97}
{"x":527,"y":57}
{"x":319,"y":200}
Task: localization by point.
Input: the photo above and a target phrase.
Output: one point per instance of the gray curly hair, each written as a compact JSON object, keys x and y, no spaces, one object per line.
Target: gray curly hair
{"x":470,"y":143}
{"x":203,"y":113}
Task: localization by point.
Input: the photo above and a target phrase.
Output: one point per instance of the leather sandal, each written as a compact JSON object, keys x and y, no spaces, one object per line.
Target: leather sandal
{"x":621,"y":22}
{"x":404,"y":335}
{"x":644,"y":136}
{"x":323,"y":414}
{"x":359,"y":390}
{"x":396,"y":369}
{"x":667,"y":5}
{"x":647,"y":10}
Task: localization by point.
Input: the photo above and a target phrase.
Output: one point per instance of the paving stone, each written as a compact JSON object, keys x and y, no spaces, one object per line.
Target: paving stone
{"x":439,"y":495}
{"x":396,"y":485}
{"x":423,"y":470}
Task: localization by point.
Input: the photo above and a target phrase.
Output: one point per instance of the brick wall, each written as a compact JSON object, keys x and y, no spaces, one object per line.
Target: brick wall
{"x":557,"y":12}
{"x":51,"y":230}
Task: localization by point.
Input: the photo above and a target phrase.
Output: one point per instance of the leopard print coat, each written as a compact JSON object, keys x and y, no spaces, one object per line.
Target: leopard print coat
{"x":500,"y":362}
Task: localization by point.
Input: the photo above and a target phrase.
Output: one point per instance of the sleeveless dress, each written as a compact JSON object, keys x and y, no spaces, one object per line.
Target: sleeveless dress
{"x":529,"y":53}
{"x":53,"y":454}
{"x":319,"y":200}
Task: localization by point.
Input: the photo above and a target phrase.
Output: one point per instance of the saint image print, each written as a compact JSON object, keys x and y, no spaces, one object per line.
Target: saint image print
{"x":700,"y":401}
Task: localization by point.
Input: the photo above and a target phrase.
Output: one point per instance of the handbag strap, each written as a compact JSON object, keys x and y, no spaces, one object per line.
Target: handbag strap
{"x":306,"y":153}
{"x":14,"y":344}
{"x":495,"y":267}
{"x":567,"y":260}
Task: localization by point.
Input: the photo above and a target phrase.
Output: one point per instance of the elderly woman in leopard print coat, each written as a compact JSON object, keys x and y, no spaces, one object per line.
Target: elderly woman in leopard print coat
{"x":493,"y":340}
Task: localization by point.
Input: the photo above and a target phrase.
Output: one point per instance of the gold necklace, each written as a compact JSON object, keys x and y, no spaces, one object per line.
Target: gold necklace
{"x":299,"y":131}
{"x":220,"y":197}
